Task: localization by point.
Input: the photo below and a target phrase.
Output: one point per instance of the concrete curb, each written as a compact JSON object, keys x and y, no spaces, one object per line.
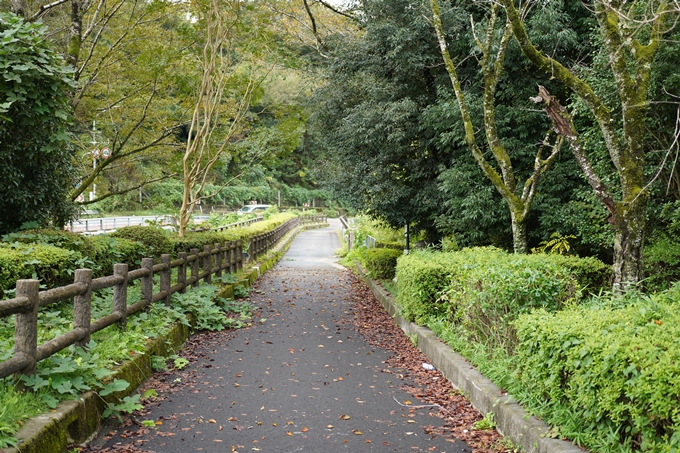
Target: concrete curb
{"x":512,"y":421}
{"x":76,"y":421}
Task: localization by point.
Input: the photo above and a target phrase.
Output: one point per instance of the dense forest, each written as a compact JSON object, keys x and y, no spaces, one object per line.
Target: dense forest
{"x":497,"y":123}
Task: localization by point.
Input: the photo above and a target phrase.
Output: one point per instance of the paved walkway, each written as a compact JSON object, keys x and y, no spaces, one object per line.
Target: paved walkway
{"x":303,"y":380}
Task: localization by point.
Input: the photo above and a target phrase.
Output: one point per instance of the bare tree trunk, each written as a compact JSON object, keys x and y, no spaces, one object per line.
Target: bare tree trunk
{"x":630,"y":62}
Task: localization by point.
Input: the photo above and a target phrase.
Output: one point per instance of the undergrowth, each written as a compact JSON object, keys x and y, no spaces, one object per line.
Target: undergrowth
{"x":74,"y":370}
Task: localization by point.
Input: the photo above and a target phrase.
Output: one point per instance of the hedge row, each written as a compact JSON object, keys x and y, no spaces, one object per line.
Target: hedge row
{"x":482,"y":290}
{"x":381,"y":263}
{"x":610,"y":377}
{"x":53,"y":255}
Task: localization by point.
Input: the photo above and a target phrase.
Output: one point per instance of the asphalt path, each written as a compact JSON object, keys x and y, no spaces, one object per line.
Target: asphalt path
{"x":299,"y":381}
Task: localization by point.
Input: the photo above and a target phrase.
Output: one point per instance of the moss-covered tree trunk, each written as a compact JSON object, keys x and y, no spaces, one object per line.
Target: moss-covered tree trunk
{"x":505,"y":182}
{"x":631,"y":64}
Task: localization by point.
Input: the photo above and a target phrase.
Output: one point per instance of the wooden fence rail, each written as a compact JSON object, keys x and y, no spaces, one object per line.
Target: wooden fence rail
{"x":191,"y":268}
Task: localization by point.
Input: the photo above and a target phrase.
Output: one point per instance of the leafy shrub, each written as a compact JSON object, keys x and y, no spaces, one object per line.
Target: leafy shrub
{"x":482,"y":290}
{"x":261,"y":227}
{"x":332,"y":213}
{"x":111,"y":250}
{"x":662,"y":264}
{"x":390,"y":245}
{"x":270,"y":212}
{"x":217,"y":220}
{"x":156,"y":240}
{"x":592,"y":274}
{"x":381,"y":263}
{"x":608,"y":375}
{"x":199,"y":240}
{"x":51,"y":265}
{"x":58,"y":238}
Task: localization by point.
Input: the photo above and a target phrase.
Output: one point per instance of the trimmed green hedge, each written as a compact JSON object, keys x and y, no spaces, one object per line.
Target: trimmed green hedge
{"x":199,"y":240}
{"x":52,"y":265}
{"x":156,"y":240}
{"x":111,"y":250}
{"x":58,"y":238}
{"x":482,"y":290}
{"x":30,"y":252}
{"x":608,"y":376}
{"x":381,"y":263}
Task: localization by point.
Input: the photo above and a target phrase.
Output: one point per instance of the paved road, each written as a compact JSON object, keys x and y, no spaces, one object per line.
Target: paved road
{"x":304,"y":380}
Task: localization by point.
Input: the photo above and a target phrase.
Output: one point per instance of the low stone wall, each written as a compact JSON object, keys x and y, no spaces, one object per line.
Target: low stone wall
{"x":512,"y":421}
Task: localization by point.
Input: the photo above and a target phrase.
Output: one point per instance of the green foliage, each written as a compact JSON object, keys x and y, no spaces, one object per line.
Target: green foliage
{"x":51,"y":265}
{"x":606,"y":373}
{"x":156,"y":241}
{"x":269,"y":212}
{"x":217,"y":220}
{"x":110,"y":250}
{"x":36,"y":159}
{"x":180,"y":363}
{"x":381,"y":263}
{"x":209,"y":310}
{"x":488,"y":422}
{"x":65,"y":376}
{"x":128,"y":405}
{"x":58,"y":238}
{"x":557,"y":244}
{"x":200,"y":240}
{"x":482,"y":290}
{"x":14,"y":406}
{"x":662,"y":264}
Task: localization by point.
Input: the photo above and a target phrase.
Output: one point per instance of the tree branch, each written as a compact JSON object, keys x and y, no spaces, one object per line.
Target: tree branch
{"x":129,"y":189}
{"x":44,"y":8}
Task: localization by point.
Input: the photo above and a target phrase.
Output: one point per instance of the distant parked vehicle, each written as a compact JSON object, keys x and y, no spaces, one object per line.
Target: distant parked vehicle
{"x":253,"y":208}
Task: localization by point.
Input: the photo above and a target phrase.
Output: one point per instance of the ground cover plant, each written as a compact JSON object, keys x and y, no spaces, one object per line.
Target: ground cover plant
{"x":74,"y":370}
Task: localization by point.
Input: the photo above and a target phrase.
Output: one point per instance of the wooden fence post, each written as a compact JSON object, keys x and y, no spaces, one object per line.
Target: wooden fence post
{"x":147,"y":282}
{"x":232,"y":257}
{"x":165,"y":278}
{"x":182,"y":272}
{"x":218,"y":260}
{"x":26,"y":326}
{"x":194,"y":268}
{"x":225,"y":258}
{"x":120,"y":294}
{"x":239,"y":255}
{"x":82,"y":306}
{"x":207,"y":264}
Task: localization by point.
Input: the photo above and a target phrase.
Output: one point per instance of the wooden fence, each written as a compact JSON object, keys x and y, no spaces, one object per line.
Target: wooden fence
{"x":239,"y":224}
{"x":227,"y":257}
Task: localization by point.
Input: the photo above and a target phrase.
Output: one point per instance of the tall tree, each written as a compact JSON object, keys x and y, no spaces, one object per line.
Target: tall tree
{"x":493,"y":47}
{"x":226,"y":88}
{"x":36,"y":167}
{"x":380,"y":155}
{"x":121,"y":52}
{"x":631,"y":34}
